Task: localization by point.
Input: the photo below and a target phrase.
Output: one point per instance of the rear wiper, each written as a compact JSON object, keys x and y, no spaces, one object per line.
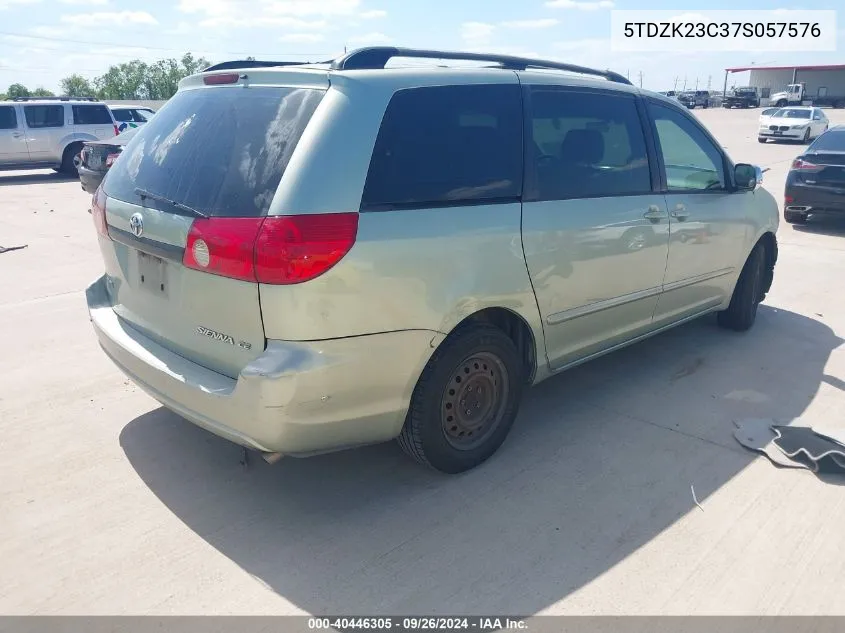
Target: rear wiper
{"x":143,"y":193}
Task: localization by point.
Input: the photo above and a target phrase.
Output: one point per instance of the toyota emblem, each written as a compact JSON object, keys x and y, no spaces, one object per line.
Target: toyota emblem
{"x":136,"y":224}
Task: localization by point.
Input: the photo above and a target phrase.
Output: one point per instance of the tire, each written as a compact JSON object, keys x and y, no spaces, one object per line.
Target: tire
{"x":761,"y":139}
{"x":742,"y":311}
{"x":476,"y":356}
{"x":806,"y":138}
{"x":780,"y":104}
{"x":794,"y":217}
{"x":70,"y":159}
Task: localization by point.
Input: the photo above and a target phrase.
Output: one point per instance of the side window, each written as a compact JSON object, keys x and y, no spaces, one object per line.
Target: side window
{"x":692,"y":161}
{"x":122,"y":115}
{"x":8,"y":118}
{"x":765,"y":93}
{"x":445,"y":145}
{"x":40,"y":116}
{"x":586,"y":144}
{"x":91,"y":115}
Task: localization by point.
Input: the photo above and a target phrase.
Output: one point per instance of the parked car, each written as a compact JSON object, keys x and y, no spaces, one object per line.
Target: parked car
{"x":131,"y":116}
{"x":815,"y":184}
{"x":800,"y":123}
{"x":743,"y":97}
{"x":97,"y":157}
{"x":50,"y":131}
{"x":305,"y":264}
{"x":694,"y":98}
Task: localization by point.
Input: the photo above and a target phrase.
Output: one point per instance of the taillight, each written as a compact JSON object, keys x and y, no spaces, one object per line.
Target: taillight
{"x":799,"y":164}
{"x":98,"y":212}
{"x":217,"y":80}
{"x":295,"y":248}
{"x":116,"y":129}
{"x":273,"y":250}
{"x":111,"y":158}
{"x":788,"y":199}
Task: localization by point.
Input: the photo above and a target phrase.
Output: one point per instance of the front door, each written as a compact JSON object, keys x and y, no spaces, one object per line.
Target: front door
{"x":707,"y":218}
{"x":12,"y":138}
{"x":595,"y":234}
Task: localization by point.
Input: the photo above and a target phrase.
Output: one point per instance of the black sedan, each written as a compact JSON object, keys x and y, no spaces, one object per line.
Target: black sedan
{"x":815,"y":184}
{"x":97,"y":158}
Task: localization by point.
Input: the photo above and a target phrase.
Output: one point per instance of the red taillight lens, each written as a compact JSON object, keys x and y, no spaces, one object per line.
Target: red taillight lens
{"x":295,"y":248}
{"x":223,"y":246}
{"x":111,"y":158}
{"x":275,"y":250}
{"x":218,"y":80}
{"x":116,"y":129}
{"x":788,"y":199}
{"x":799,"y":164}
{"x":98,"y":212}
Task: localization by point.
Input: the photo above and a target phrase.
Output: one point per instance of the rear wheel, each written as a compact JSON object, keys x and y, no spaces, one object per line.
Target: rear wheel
{"x":794,"y":217}
{"x":71,"y":159}
{"x":742,"y":311}
{"x":465,"y":401}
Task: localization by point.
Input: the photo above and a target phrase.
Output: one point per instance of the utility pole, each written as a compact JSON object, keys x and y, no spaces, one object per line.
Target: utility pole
{"x":675,"y":88}
{"x":696,"y":83}
{"x":709,"y":81}
{"x":641,"y":79}
{"x":685,"y":82}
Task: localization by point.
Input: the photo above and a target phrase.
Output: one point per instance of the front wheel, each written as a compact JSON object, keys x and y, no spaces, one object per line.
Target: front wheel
{"x":748,"y":293}
{"x":465,"y":401}
{"x":761,"y":139}
{"x":806,"y":138}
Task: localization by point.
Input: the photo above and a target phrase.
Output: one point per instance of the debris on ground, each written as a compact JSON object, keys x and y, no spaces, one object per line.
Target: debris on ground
{"x":6,"y":249}
{"x":793,"y":446}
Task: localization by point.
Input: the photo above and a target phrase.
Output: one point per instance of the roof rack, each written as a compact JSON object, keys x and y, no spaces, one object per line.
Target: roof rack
{"x":252,"y":63}
{"x":378,"y":56}
{"x":53,"y":99}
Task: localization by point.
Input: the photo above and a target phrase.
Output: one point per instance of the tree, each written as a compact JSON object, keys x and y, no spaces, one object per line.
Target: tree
{"x":18,"y":90}
{"x":41,"y":91}
{"x":139,"y":80}
{"x":76,"y":86}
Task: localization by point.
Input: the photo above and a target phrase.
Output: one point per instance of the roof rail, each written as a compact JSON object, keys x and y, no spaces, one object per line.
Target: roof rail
{"x":252,"y":63}
{"x":378,"y":56}
{"x":54,"y":99}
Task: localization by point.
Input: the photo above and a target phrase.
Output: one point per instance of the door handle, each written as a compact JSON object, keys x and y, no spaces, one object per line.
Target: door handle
{"x":679,"y":212}
{"x":654,"y":213}
{"x":16,"y":135}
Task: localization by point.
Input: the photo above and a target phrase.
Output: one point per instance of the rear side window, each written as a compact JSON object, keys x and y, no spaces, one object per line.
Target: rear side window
{"x":830,"y":141}
{"x":122,"y":115}
{"x":221,"y":151}
{"x":40,"y":116}
{"x":586,"y":144}
{"x":91,"y":115}
{"x":8,"y":118}
{"x":447,"y":145}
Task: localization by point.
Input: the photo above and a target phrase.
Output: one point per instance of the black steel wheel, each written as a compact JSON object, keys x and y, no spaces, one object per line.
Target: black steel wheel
{"x":465,"y":401}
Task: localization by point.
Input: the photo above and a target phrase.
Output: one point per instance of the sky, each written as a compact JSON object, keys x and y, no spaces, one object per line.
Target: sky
{"x":42,"y":41}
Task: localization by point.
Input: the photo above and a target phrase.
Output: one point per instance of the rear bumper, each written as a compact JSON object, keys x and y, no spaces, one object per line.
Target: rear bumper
{"x":89,"y":179}
{"x":297,"y":398}
{"x":815,"y":200}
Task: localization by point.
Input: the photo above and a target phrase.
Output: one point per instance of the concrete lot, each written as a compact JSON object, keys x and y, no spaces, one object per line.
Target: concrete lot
{"x":112,"y":505}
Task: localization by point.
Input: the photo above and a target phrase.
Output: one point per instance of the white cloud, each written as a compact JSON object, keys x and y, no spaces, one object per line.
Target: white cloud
{"x":542,"y":23}
{"x":373,"y":14}
{"x":581,"y":5}
{"x":5,"y":4}
{"x":85,"y":2}
{"x":583,"y":45}
{"x":279,"y":21}
{"x":109,"y":18}
{"x":477,"y":33}
{"x":304,"y":38}
{"x":370,"y":39}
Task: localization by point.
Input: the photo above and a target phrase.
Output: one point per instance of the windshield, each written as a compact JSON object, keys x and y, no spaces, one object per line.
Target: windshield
{"x":769,"y":111}
{"x":145,"y":114}
{"x":792,"y":113}
{"x":221,"y":151}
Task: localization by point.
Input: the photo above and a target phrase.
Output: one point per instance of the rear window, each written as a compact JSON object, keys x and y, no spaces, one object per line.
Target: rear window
{"x":447,"y":145}
{"x":39,"y":116}
{"x":830,"y":141}
{"x":221,"y":151}
{"x":91,"y":115}
{"x":8,"y":118}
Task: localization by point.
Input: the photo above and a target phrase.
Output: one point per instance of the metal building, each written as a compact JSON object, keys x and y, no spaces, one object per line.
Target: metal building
{"x":825,"y":81}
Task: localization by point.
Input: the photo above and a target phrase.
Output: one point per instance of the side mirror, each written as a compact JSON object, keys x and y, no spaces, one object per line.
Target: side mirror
{"x":747,"y":177}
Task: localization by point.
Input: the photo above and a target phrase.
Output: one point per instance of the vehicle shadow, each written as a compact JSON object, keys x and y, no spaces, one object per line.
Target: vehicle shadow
{"x":11,"y":178}
{"x":834,"y":226}
{"x":599,"y":463}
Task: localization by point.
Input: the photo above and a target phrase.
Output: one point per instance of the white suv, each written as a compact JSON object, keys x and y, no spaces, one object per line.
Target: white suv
{"x":48,"y":132}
